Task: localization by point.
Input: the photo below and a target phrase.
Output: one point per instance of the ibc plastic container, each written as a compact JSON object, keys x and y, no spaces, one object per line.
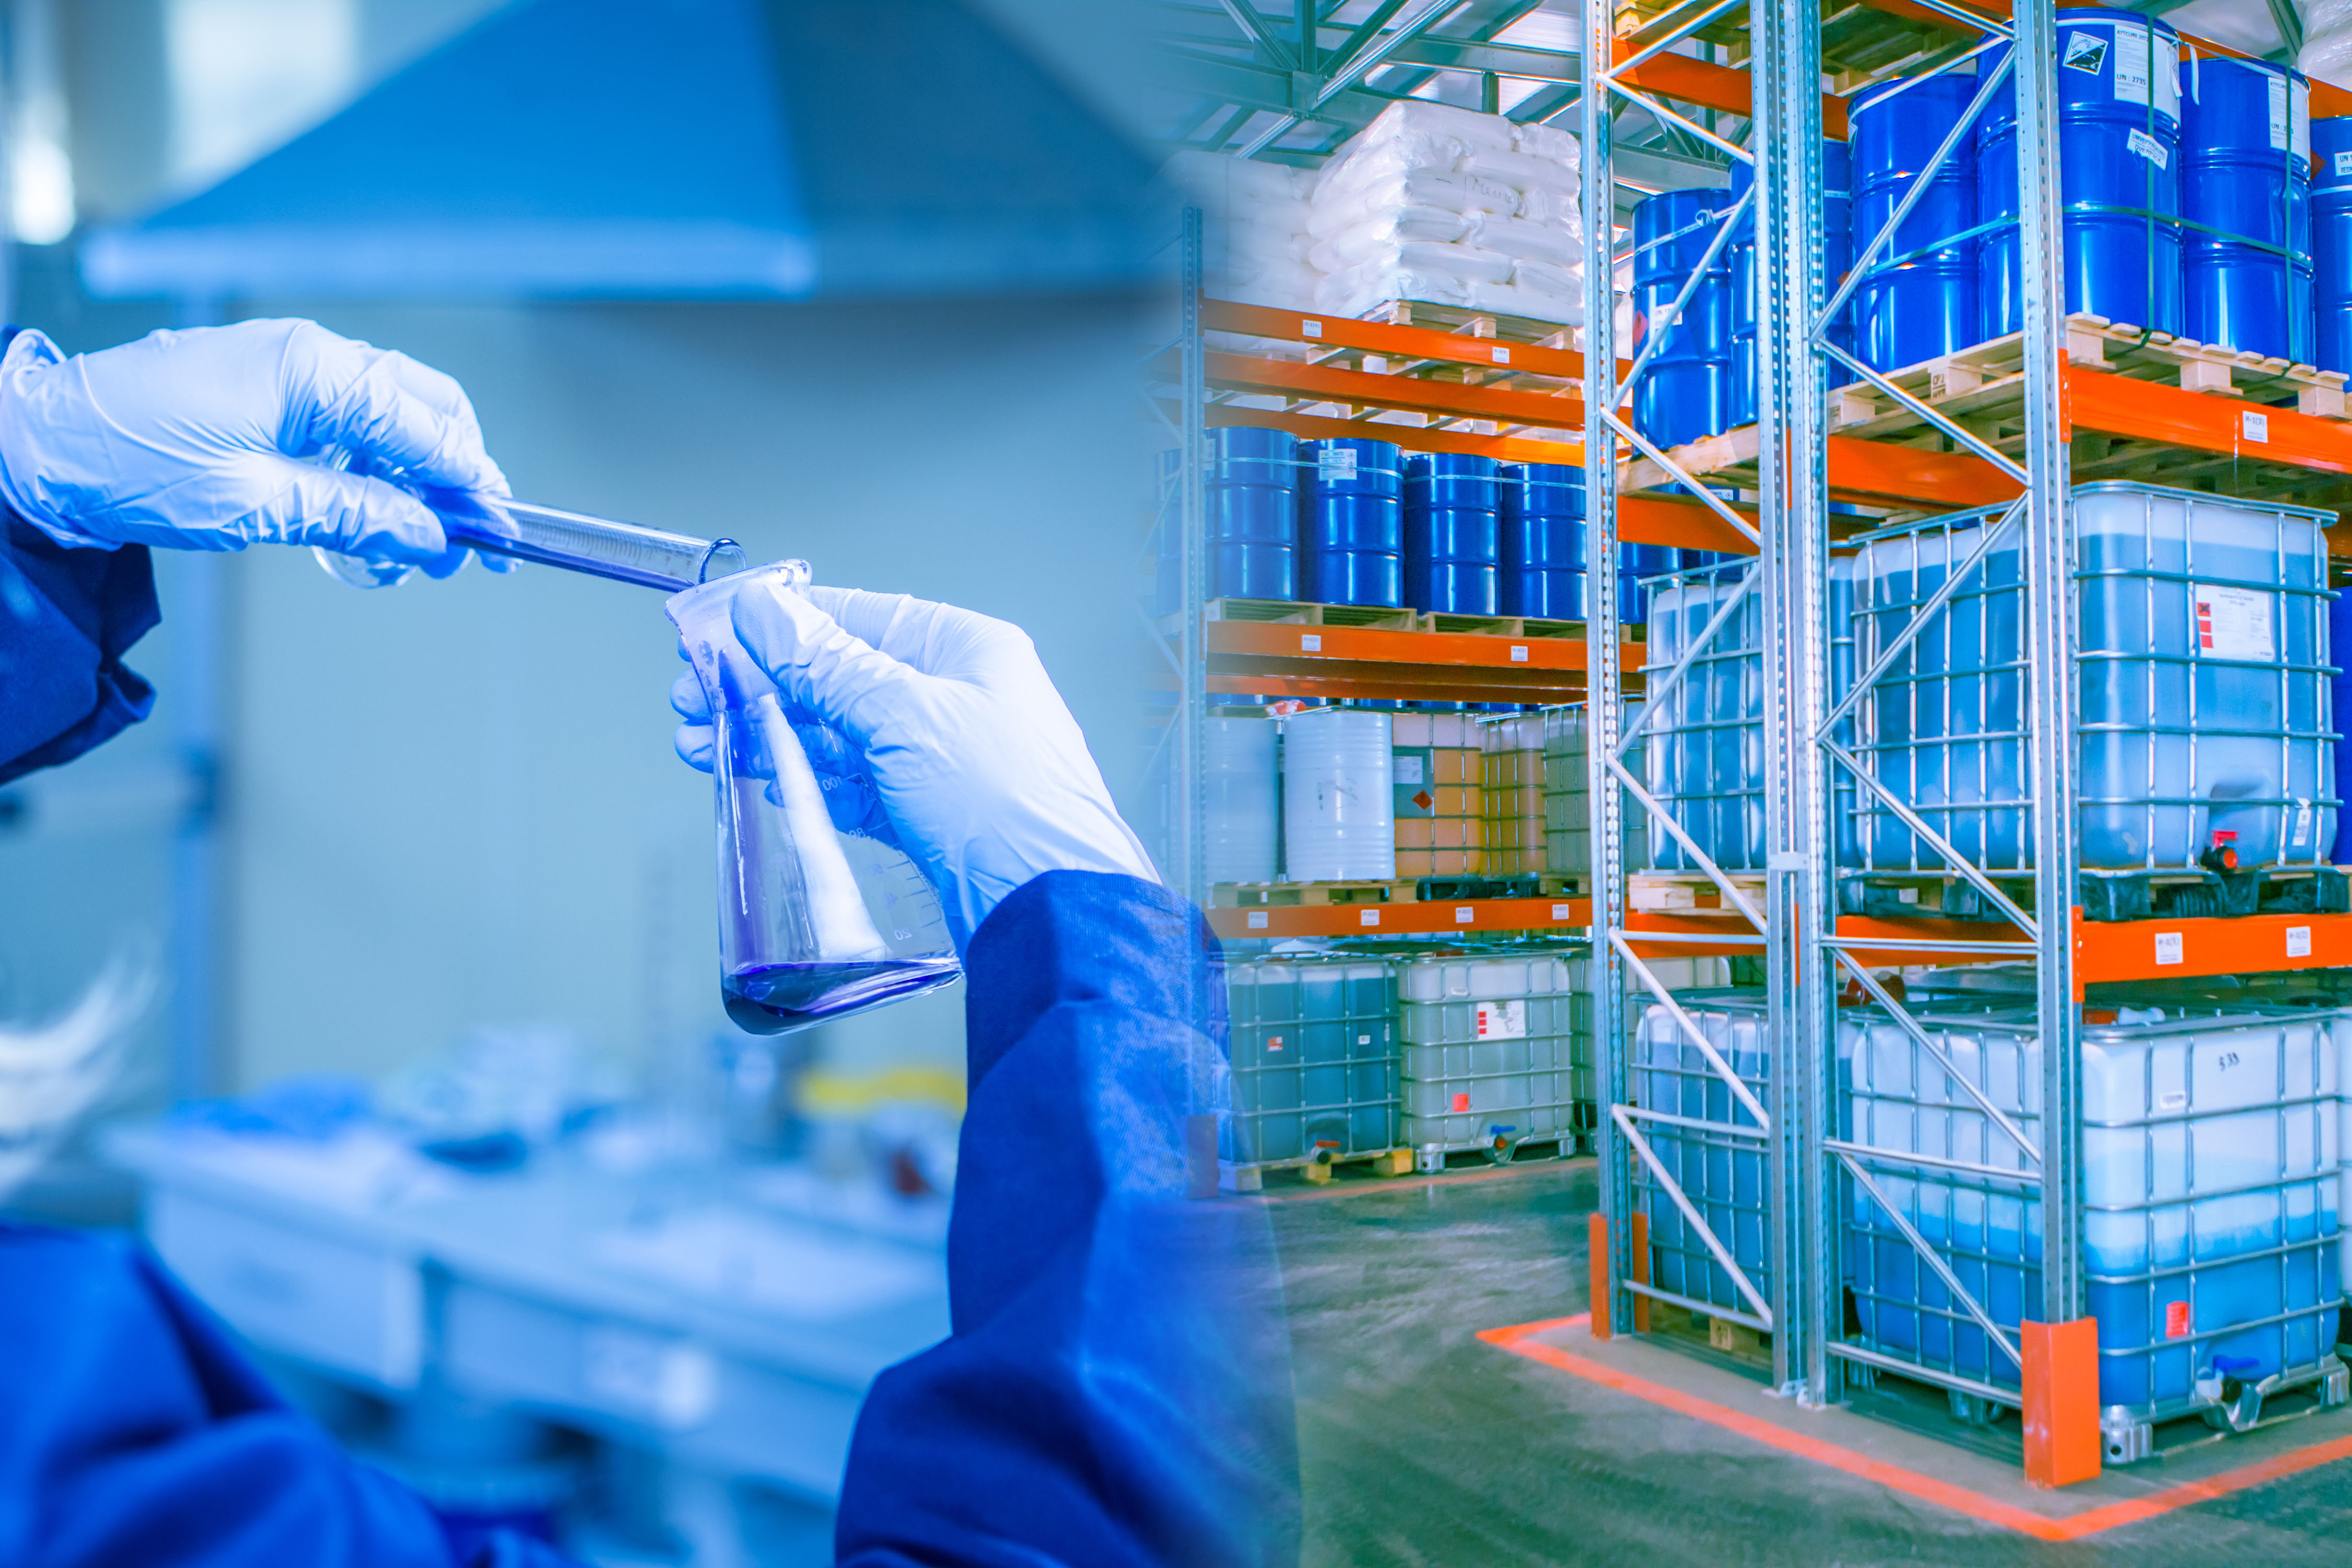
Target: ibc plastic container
{"x":1677,"y":974}
{"x":1918,"y":299}
{"x":2245,"y":199}
{"x":2203,"y":675}
{"x":2210,"y":1196}
{"x":1685,"y":392}
{"x":1567,"y":793}
{"x":1314,"y":1059}
{"x":1243,"y":827}
{"x":2331,"y":243}
{"x":1719,"y":1167}
{"x":1706,"y":755}
{"x":2119,"y":174}
{"x":1486,"y":1052}
{"x":1837,"y":255}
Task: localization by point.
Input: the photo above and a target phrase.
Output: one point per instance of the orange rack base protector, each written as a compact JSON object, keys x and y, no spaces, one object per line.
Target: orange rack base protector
{"x":1966,"y":1481}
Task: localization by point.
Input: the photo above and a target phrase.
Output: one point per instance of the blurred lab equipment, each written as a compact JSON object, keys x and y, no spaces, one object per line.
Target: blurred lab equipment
{"x":813,"y":922}
{"x":517,"y":531}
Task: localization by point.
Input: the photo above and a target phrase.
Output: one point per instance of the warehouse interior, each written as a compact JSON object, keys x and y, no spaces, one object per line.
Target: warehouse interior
{"x":1716,"y":621}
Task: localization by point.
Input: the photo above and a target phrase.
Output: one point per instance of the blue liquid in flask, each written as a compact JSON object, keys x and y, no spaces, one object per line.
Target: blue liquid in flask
{"x":770,"y":998}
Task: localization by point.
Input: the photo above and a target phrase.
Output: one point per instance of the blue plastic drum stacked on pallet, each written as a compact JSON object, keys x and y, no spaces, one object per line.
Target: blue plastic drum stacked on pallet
{"x":1352,"y":521}
{"x":1253,"y":513}
{"x":2331,"y":243}
{"x":2119,"y":171}
{"x":1543,"y":540}
{"x":1837,"y":255}
{"x":1918,"y":299}
{"x":2245,"y":194}
{"x":1685,"y":392}
{"x":1452,"y":533}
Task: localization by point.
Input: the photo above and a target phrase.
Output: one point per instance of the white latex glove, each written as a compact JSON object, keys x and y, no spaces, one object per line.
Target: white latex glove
{"x":984,"y":776}
{"x":191,"y":440}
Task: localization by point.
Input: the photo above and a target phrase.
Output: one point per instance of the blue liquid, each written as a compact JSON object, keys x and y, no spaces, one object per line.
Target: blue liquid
{"x":768,"y":999}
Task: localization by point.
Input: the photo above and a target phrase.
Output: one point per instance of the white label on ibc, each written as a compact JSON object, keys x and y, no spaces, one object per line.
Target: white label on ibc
{"x":1334,"y":463}
{"x":2233,"y":623}
{"x":2148,"y":147}
{"x":2278,"y":112}
{"x":2168,"y":947}
{"x":1405,"y":768}
{"x":2298,"y":941}
{"x":1258,"y":920}
{"x":1369,"y":918}
{"x":2173,"y":1099}
{"x":1310,"y":643}
{"x":1463,"y":914}
{"x":2254,"y":427}
{"x":2302,"y":823}
{"x":1502,"y":1020}
{"x":2131,"y":64}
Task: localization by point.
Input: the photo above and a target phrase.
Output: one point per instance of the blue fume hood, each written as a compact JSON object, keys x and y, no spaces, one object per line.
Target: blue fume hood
{"x":711,"y":149}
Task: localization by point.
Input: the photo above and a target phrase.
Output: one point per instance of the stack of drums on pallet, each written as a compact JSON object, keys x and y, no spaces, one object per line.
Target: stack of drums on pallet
{"x":2331,"y":243}
{"x":2245,"y":194}
{"x":2119,"y":167}
{"x":1837,"y":255}
{"x":1685,"y":392}
{"x":1252,"y":510}
{"x":1919,"y":297}
{"x":1452,"y":533}
{"x":1543,"y":540}
{"x":1352,"y":521}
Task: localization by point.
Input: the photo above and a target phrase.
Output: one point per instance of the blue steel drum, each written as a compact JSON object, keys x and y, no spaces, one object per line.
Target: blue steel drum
{"x":1452,"y":587}
{"x":1552,"y":593}
{"x":1251,"y":514}
{"x":1677,"y":404}
{"x":1542,"y":489}
{"x":1352,"y":464}
{"x":1685,"y":393}
{"x":1918,"y":301}
{"x":1453,"y":533}
{"x":2245,"y":202}
{"x":1837,"y":255}
{"x":1454,"y":479}
{"x":1541,"y":543}
{"x":2119,"y":167}
{"x":1253,"y":571}
{"x":1356,"y":577}
{"x":1247,"y":455}
{"x":2331,"y":244}
{"x":1347,"y":521}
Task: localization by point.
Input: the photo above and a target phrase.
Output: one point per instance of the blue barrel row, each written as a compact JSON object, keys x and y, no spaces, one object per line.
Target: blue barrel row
{"x":2188,"y":200}
{"x":1360,"y":521}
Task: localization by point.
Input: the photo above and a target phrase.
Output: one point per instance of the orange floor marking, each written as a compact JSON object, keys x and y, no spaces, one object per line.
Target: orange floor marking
{"x":1520,"y":1340}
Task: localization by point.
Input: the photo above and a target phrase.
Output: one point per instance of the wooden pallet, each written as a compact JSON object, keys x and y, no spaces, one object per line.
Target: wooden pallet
{"x":1664,"y":892}
{"x":1471,"y":323}
{"x":1287,"y":613}
{"x":1319,"y":1169}
{"x":1522,"y":627}
{"x":2121,"y":896}
{"x":1311,"y":895}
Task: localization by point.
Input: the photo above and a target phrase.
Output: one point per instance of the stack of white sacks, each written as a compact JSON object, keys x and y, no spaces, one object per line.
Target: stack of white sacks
{"x":1255,"y":227}
{"x":1447,"y":206}
{"x":2326,"y":41}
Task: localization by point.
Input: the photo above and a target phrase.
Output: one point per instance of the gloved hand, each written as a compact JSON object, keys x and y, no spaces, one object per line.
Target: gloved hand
{"x":975,"y":764}
{"x":193,"y":440}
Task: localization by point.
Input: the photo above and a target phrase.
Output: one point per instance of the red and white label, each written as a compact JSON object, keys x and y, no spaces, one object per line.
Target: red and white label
{"x":2234,"y":622}
{"x":1502,"y":1020}
{"x":2176,"y":1320}
{"x":1461,"y":1102}
{"x":1274,"y":1042}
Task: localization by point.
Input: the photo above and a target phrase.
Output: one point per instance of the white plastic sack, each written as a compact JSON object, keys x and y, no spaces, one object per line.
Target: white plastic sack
{"x":1416,"y":188}
{"x":1545,"y":277}
{"x":1564,"y":309}
{"x":1361,"y":242}
{"x":1562,"y":245}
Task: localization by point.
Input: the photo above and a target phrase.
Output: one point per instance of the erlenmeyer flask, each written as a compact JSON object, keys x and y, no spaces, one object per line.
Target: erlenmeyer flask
{"x":813,"y":922}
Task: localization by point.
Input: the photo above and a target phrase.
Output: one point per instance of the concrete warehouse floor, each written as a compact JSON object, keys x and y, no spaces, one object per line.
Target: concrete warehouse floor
{"x":1420,"y":1444}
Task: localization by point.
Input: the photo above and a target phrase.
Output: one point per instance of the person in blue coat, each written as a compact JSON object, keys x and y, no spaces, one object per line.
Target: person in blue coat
{"x":1115,"y":1387}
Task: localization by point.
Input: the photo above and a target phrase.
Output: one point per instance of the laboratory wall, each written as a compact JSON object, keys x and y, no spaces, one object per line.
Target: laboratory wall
{"x":455,"y":805}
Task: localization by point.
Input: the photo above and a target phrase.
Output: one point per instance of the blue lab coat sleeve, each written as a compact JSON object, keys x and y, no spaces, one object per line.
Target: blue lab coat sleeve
{"x":1115,"y":1392}
{"x":67,"y":617}
{"x":133,"y":1434}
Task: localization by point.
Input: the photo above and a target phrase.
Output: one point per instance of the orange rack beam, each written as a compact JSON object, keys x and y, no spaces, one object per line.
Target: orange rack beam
{"x":1334,"y":383}
{"x":1402,"y":342}
{"x":1273,"y":659}
{"x":1571,"y":917}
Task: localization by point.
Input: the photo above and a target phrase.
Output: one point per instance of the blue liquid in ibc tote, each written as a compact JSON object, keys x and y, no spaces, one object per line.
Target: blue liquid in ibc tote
{"x":1543,"y":540}
{"x":1707,"y":743}
{"x":1918,"y":299}
{"x":2331,"y":243}
{"x":2119,"y":173}
{"x":2245,"y":199}
{"x":1452,"y":533}
{"x":1352,"y":521}
{"x":2202,"y":669}
{"x":1686,"y":393}
{"x":1837,"y":255}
